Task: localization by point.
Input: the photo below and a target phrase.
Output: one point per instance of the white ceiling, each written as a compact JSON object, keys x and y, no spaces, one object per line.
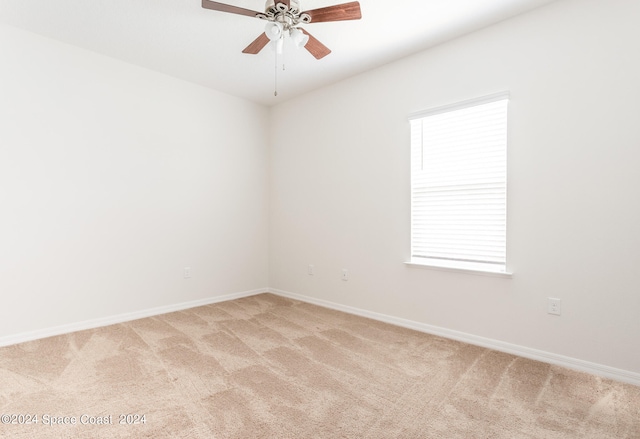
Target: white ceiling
{"x":181,"y":39}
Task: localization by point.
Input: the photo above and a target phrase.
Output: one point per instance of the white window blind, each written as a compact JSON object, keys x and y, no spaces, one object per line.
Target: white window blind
{"x":459,"y":185}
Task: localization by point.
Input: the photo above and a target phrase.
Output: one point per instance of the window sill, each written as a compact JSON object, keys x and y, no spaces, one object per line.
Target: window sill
{"x":459,"y":268}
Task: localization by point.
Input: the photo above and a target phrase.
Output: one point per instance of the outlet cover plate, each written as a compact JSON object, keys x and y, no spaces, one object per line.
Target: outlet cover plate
{"x":554,"y":306}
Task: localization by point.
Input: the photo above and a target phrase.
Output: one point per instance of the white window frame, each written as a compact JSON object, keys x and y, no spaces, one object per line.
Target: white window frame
{"x":434,"y":239}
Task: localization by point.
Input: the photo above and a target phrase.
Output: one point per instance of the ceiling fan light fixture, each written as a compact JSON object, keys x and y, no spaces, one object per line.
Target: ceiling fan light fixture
{"x":285,"y":17}
{"x":299,"y":38}
{"x":274,"y":30}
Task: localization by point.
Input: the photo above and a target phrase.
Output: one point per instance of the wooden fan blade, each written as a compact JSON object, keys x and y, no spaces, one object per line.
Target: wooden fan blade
{"x":286,"y":2}
{"x":315,"y":47}
{"x":208,"y":4}
{"x":345,"y":11}
{"x":257,"y":45}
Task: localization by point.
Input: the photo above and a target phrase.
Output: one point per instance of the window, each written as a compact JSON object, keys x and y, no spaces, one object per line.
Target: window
{"x":459,"y":185}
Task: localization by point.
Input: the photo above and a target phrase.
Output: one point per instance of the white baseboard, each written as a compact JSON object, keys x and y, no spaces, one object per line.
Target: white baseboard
{"x":120,"y":318}
{"x":521,"y":351}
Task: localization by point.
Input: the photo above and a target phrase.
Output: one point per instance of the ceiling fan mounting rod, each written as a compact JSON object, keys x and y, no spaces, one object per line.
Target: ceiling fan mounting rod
{"x":289,"y":17}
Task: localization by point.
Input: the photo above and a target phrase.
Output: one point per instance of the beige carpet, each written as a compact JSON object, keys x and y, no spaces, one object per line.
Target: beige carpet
{"x":269,"y":367}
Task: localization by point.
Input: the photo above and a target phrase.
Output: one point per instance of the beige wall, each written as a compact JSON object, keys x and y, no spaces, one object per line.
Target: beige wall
{"x":112,"y":180}
{"x":340,"y":186}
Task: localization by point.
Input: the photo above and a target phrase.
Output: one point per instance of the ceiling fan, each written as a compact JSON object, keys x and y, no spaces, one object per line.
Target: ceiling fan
{"x":285,"y":17}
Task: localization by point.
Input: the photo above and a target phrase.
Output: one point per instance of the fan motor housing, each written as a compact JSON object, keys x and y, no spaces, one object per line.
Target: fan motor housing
{"x":275,"y":6}
{"x":289,"y":17}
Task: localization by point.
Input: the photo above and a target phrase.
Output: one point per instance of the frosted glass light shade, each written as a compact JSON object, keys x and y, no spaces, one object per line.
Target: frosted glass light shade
{"x":273,"y":30}
{"x":300,"y":39}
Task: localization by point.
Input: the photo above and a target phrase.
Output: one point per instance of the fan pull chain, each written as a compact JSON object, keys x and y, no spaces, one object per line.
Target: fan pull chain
{"x":275,"y":81}
{"x":282,"y":53}
{"x":279,"y":44}
{"x":275,"y":85}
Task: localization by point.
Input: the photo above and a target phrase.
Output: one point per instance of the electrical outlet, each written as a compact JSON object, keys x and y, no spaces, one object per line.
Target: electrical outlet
{"x":310,"y":270}
{"x":186,"y":272}
{"x":345,"y":274}
{"x":554,"y":306}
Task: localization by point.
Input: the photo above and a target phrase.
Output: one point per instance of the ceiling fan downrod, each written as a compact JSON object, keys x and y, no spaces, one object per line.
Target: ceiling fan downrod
{"x":289,"y":16}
